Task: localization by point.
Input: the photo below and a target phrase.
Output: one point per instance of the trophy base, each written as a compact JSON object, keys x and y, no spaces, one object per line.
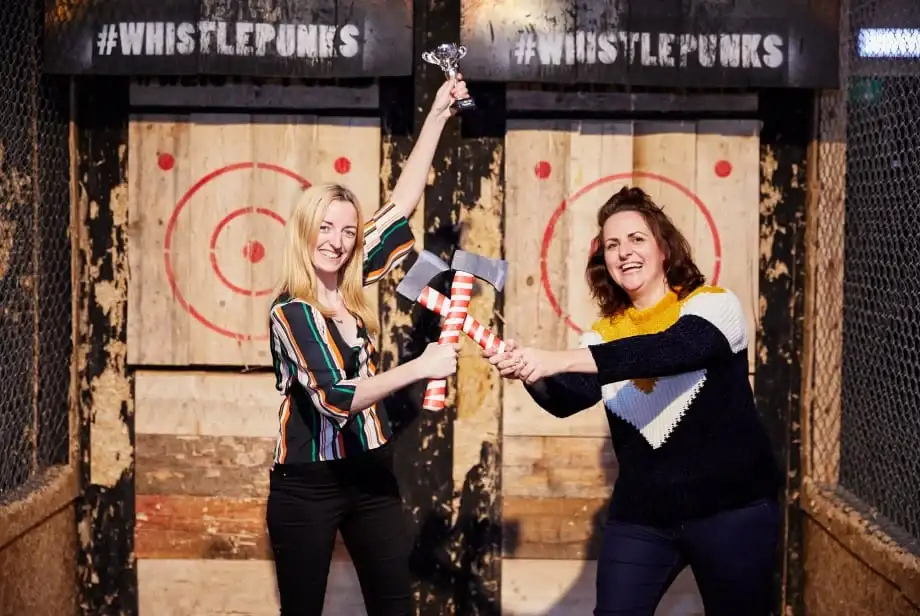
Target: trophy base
{"x":464,"y":104}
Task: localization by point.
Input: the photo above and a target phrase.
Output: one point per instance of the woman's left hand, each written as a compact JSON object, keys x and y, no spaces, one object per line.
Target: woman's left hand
{"x":450,"y":90}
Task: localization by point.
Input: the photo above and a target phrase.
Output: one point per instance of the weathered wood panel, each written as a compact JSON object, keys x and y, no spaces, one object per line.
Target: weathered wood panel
{"x":533,"y":587}
{"x":203,"y":403}
{"x":547,"y":466}
{"x":213,"y":193}
{"x":106,"y":576}
{"x":232,"y":466}
{"x":553,"y":528}
{"x":205,"y":527}
{"x":177,"y":587}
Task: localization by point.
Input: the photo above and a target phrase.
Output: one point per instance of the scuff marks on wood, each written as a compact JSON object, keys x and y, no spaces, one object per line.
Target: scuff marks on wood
{"x":477,"y":528}
{"x":784,"y":151}
{"x":448,"y":462}
{"x":105,"y":515}
{"x":227,"y":466}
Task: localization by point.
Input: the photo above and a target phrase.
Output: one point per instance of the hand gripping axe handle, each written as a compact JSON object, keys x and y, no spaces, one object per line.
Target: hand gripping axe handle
{"x":466,"y":266}
{"x":461,"y":291}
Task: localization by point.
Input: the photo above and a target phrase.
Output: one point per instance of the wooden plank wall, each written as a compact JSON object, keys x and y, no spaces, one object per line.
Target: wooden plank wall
{"x":556,"y":474}
{"x":210,"y":194}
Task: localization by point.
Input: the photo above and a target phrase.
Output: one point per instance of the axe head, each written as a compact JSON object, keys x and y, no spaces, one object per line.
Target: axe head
{"x":493,"y":271}
{"x":426,"y":267}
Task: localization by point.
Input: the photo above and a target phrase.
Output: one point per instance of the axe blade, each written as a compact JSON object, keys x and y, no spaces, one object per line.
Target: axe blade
{"x":426,"y":267}
{"x":493,"y":271}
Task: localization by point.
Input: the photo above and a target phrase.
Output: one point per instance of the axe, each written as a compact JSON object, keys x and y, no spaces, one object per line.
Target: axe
{"x":466,"y":266}
{"x":479,"y":333}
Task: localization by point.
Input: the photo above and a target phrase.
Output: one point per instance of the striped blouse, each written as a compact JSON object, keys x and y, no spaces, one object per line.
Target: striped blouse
{"x":316,"y":370}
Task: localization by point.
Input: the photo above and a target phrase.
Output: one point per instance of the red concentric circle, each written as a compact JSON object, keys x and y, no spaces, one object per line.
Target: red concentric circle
{"x":168,"y":252}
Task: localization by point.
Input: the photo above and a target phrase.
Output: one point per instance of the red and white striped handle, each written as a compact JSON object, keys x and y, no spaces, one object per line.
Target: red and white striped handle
{"x":461,"y":291}
{"x":479,"y":333}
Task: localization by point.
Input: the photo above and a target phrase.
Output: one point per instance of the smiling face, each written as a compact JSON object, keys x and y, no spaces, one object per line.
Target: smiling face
{"x":633,"y":257}
{"x":336,"y":238}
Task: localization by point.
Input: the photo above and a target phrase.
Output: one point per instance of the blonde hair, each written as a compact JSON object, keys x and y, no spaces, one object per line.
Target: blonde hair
{"x":298,"y":275}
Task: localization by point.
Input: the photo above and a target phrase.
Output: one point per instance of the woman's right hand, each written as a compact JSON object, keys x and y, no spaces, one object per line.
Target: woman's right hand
{"x":439,"y":361}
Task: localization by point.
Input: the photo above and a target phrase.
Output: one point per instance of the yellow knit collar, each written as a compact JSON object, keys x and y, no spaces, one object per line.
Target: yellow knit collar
{"x":657,"y":318}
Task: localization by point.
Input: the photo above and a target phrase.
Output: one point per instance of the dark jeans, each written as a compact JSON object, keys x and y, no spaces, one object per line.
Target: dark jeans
{"x":732,"y":555}
{"x":359,"y":497}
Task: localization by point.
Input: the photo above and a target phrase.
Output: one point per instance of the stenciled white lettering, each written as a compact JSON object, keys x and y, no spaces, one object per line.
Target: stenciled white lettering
{"x":743,"y":50}
{"x":242,"y":38}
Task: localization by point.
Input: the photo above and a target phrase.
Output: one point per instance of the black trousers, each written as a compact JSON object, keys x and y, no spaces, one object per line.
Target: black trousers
{"x":358,"y":497}
{"x":732,"y":555}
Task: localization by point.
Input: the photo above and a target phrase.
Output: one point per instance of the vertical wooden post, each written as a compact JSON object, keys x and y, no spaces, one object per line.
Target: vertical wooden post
{"x":477,"y":431}
{"x":105,"y":513}
{"x":424,"y":445}
{"x":450,"y":486}
{"x":784,"y":152}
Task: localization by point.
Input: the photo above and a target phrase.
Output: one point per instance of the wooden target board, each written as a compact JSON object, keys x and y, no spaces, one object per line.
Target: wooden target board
{"x":210,"y":195}
{"x":557,"y":473}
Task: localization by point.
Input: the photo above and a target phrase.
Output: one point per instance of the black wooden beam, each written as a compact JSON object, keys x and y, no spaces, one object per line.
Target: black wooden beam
{"x":787,"y":117}
{"x":106,"y":573}
{"x":455,"y":557}
{"x":424,"y":459}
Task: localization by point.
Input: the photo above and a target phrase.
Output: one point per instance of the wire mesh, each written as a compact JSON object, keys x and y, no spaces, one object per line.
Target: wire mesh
{"x":866,"y":385}
{"x":35,"y":255}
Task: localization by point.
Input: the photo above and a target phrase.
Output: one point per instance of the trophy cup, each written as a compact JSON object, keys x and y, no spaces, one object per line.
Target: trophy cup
{"x":446,"y":56}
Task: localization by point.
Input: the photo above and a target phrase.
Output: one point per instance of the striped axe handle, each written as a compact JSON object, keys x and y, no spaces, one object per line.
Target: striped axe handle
{"x":479,"y":333}
{"x":461,"y":291}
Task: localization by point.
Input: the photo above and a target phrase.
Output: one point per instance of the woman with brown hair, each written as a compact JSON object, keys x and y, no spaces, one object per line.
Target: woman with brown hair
{"x":698,"y":483}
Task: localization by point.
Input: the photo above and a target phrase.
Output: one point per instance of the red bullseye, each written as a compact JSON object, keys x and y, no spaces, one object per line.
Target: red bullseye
{"x":171,"y":224}
{"x":551,"y":229}
{"x":251,"y":255}
{"x":254,"y":251}
{"x":342,"y":165}
{"x":723,"y":169}
{"x":166,"y":161}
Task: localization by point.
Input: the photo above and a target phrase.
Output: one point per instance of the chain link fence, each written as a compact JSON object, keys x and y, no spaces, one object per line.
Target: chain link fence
{"x":35,"y":255}
{"x":865,"y":389}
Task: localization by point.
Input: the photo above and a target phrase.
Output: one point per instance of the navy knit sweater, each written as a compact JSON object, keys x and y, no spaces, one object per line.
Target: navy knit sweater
{"x":687,"y":436}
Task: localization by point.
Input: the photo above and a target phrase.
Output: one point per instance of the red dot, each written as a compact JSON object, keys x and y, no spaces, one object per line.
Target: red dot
{"x":166,"y":161}
{"x":542,"y":169}
{"x":723,"y":168}
{"x":342,"y":165}
{"x":254,"y":251}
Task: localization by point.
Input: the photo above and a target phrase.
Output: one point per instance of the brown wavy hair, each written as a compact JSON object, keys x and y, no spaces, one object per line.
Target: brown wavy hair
{"x":681,"y":272}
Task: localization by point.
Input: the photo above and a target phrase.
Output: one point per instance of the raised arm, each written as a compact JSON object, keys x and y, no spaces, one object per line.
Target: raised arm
{"x":387,"y":235}
{"x":414,"y":177}
{"x":301,"y":340}
{"x":711,"y":327}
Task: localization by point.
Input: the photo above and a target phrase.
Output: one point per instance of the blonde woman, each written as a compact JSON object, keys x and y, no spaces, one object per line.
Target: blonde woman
{"x":332,"y":469}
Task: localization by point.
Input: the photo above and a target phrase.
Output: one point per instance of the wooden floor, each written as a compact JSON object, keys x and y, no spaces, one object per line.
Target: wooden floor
{"x":186,"y":588}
